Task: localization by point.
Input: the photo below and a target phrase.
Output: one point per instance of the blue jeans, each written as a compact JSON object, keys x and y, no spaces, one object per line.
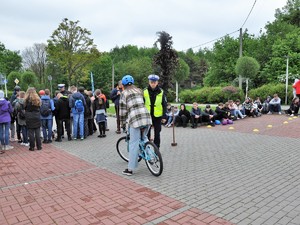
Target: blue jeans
{"x":47,"y":128}
{"x":24,"y":133}
{"x":135,"y":136}
{"x":78,"y":121}
{"x":4,"y":133}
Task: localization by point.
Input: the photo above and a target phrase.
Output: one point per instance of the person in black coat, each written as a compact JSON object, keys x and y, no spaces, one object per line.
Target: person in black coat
{"x":62,"y":110}
{"x":33,"y":118}
{"x":183,"y":116}
{"x":99,"y":107}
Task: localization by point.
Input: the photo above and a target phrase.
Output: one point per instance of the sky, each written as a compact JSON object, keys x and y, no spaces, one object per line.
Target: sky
{"x":114,"y":23}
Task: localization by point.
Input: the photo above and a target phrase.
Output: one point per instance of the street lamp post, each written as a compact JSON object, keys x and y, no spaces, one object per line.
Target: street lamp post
{"x":50,"y":79}
{"x":286,"y":78}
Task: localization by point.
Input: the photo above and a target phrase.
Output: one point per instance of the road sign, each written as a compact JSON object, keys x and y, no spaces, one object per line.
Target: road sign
{"x":17,"y":81}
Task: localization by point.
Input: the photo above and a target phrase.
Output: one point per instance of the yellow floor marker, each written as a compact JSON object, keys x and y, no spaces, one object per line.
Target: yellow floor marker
{"x":285,"y":122}
{"x":231,"y":128}
{"x":255,"y":130}
{"x":269,"y":126}
{"x":290,"y":118}
{"x":295,"y":117}
{"x":209,"y":126}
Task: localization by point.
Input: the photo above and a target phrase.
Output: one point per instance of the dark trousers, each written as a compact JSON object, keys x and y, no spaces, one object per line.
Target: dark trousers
{"x":181,"y":120}
{"x":102,"y":127}
{"x":195,"y":121}
{"x":156,"y":124}
{"x":18,"y":130}
{"x":91,"y":126}
{"x":60,"y":128}
{"x":86,"y":128}
{"x":117,"y":108}
{"x":35,"y":137}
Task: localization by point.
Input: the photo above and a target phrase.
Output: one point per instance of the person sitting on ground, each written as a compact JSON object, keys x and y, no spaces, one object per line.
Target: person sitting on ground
{"x":240,"y":107}
{"x":248,"y":106}
{"x":172,"y":114}
{"x":294,"y":107}
{"x":234,"y":110}
{"x":221,"y":113}
{"x":259,"y":104}
{"x":195,"y":115}
{"x":183,"y":117}
{"x":275,"y":105}
{"x":168,"y":114}
{"x":208,"y":116}
{"x":265,"y":105}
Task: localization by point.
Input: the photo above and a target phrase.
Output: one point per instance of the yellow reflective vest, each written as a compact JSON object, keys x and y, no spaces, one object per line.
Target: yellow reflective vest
{"x":158,"y":108}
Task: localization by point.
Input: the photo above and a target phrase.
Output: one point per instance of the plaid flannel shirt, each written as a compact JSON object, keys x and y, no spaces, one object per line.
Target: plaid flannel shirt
{"x":132,"y":108}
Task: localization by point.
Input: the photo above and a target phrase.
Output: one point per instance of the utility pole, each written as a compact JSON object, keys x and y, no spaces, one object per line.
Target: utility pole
{"x":113,"y":75}
{"x":240,"y":55}
{"x":286,"y":78}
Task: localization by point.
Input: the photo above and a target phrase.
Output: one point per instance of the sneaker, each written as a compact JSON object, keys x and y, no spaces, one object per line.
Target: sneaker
{"x":166,"y":125}
{"x":74,"y":138}
{"x":81,"y":138}
{"x":100,"y":136}
{"x":127,"y":172}
{"x":8,"y":147}
{"x":269,"y":113}
{"x":279,"y":113}
{"x":22,"y":143}
{"x":292,"y":115}
{"x":26,"y":144}
{"x":169,"y":125}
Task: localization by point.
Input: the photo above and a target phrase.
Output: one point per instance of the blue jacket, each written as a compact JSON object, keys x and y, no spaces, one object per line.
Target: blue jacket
{"x":50,"y":117}
{"x":5,"y":111}
{"x":73,"y":98}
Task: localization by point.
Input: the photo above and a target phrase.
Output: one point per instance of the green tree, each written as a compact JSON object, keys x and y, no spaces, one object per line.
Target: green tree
{"x":34,"y":58}
{"x":9,"y":60}
{"x":29,"y":79}
{"x":248,"y":67}
{"x":71,"y":47}
{"x":166,"y":60}
{"x":181,"y":73}
{"x":12,"y":76}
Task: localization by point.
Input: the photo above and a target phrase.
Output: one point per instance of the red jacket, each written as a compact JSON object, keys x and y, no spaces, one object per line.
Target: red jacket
{"x":297,"y":87}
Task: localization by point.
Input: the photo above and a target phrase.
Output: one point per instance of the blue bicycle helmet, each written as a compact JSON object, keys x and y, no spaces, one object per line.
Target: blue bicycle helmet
{"x":127,"y":80}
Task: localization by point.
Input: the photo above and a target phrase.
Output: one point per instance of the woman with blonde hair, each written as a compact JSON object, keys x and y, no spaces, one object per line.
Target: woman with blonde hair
{"x":32,"y":105}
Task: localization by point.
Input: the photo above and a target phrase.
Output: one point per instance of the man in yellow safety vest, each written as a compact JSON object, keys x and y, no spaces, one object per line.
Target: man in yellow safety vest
{"x":156,"y":103}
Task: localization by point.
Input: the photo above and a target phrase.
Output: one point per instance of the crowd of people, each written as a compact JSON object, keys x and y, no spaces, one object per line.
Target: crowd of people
{"x":226,"y":113}
{"x":77,"y":112}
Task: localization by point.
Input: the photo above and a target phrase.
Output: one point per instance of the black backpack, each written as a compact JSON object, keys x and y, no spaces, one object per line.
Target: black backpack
{"x":45,"y":107}
{"x":21,"y":111}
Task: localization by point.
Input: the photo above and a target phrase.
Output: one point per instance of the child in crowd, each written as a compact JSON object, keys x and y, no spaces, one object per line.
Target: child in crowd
{"x":294,"y":107}
{"x":183,"y":116}
{"x":234,"y":110}
{"x":20,"y":111}
{"x":170,"y":121}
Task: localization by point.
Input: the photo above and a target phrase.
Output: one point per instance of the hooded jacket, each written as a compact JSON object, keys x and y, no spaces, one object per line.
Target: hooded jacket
{"x":5,"y":111}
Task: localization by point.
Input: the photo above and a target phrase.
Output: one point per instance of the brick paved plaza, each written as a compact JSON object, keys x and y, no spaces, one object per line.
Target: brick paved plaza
{"x":245,"y":173}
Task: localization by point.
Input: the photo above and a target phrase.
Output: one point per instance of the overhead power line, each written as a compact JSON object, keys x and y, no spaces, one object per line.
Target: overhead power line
{"x":249,"y":14}
{"x":212,"y":40}
{"x":226,"y":34}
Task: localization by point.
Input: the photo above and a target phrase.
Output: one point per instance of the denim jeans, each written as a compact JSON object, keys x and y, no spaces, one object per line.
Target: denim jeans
{"x":4,"y":133}
{"x":78,"y":121}
{"x":24,"y":133}
{"x":135,"y":136}
{"x":47,"y":128}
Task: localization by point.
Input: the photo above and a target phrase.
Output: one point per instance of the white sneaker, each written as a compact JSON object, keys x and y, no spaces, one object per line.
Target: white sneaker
{"x":279,"y":113}
{"x":169,"y":125}
{"x":22,"y":143}
{"x":292,"y":115}
{"x":26,"y":144}
{"x":269,"y":113}
{"x":8,"y":147}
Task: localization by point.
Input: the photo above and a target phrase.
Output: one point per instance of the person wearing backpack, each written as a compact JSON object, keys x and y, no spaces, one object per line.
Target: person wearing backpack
{"x":20,"y":111}
{"x":47,"y":107}
{"x":5,"y":119}
{"x":87,"y":110}
{"x":77,"y":104}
